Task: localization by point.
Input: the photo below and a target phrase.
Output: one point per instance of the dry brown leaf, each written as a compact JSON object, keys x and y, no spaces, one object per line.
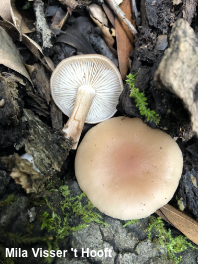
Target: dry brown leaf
{"x":5,"y":10}
{"x":19,"y":20}
{"x":32,"y":45}
{"x":109,"y":14}
{"x":100,"y":19}
{"x":10,"y":56}
{"x":124,"y":39}
{"x":187,"y":225}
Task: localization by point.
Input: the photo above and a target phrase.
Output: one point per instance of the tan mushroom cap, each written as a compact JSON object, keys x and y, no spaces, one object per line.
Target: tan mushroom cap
{"x":127,"y":169}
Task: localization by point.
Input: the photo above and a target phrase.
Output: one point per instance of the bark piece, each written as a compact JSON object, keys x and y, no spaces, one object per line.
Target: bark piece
{"x":56,"y":116}
{"x":189,"y":9}
{"x":23,"y":173}
{"x":42,"y":27}
{"x":178,"y":69}
{"x":41,"y":82}
{"x":10,"y":111}
{"x":101,"y":47}
{"x":48,"y":148}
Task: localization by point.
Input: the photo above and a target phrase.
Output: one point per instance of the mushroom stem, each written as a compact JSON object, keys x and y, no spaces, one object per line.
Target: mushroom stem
{"x":75,"y":123}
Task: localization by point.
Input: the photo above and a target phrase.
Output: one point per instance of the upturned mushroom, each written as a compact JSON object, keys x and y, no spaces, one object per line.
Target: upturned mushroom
{"x":86,"y":88}
{"x":127,"y":169}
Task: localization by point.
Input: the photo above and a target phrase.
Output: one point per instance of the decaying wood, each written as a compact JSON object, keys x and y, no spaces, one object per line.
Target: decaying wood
{"x":48,"y":147}
{"x":10,"y":113}
{"x":178,"y":69}
{"x":188,"y":190}
{"x":23,"y":173}
{"x":42,"y":27}
{"x":56,"y":116}
{"x":41,"y":82}
{"x":189,"y":9}
{"x":101,"y":47}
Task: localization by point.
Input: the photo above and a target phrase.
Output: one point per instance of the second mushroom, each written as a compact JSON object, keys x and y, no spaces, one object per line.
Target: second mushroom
{"x":86,"y":88}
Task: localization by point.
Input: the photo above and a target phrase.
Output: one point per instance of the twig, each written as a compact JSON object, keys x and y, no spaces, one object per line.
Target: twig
{"x":42,"y":27}
{"x":134,"y":8}
{"x":121,"y":15}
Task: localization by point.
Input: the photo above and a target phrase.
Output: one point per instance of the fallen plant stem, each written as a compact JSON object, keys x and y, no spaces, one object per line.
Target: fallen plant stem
{"x":134,"y":8}
{"x":121,"y":15}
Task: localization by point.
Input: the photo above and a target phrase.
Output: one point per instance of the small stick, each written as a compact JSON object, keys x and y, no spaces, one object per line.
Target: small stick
{"x":42,"y":26}
{"x":121,"y":15}
{"x":134,"y":8}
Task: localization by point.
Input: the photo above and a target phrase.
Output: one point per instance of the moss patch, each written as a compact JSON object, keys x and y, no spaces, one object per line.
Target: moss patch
{"x":174,"y":245}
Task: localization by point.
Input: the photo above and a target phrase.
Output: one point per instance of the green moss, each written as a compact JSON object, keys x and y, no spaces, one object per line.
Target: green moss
{"x":173,"y":245}
{"x":141,"y":100}
{"x":8,"y":200}
{"x":130,"y":222}
{"x":69,"y":204}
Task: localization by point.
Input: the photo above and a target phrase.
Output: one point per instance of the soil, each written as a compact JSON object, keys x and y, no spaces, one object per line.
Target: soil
{"x":30,"y":122}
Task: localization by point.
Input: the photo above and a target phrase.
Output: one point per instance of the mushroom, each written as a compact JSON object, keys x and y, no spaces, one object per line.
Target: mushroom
{"x":86,"y":88}
{"x":127,"y":169}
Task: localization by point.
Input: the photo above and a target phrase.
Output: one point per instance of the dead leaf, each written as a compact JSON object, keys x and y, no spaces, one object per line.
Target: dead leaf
{"x":187,"y":225}
{"x":100,"y":19}
{"x":109,"y":14}
{"x":19,"y":20}
{"x":74,"y":38}
{"x":124,"y":39}
{"x":31,"y":44}
{"x":5,"y":10}
{"x":10,"y":56}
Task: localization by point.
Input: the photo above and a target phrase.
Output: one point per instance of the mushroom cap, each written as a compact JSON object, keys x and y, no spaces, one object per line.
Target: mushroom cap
{"x":127,"y":169}
{"x":94,"y":70}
